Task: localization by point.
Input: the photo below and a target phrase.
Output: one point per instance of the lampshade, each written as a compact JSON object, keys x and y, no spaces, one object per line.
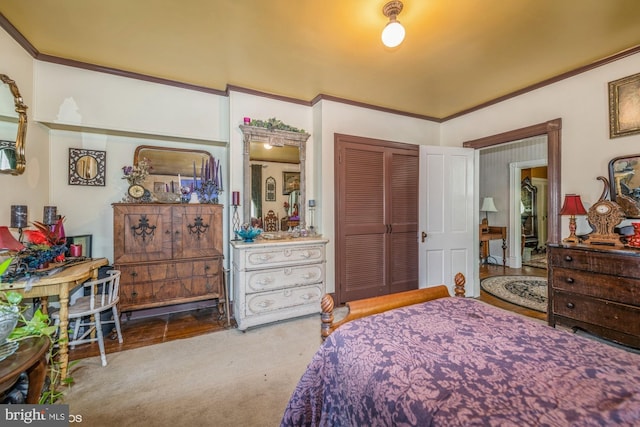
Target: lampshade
{"x":572,"y":205}
{"x":488,"y":205}
{"x":393,"y":33}
{"x":18,"y":216}
{"x":7,"y":241}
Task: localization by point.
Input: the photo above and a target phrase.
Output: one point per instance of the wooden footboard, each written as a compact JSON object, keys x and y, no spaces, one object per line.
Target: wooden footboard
{"x":368,"y":306}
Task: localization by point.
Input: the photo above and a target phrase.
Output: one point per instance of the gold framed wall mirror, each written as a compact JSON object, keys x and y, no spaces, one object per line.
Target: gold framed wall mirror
{"x":13,"y":128}
{"x":276,"y":152}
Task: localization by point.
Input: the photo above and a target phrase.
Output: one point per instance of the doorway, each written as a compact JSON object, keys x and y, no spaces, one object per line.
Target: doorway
{"x":552,"y":130}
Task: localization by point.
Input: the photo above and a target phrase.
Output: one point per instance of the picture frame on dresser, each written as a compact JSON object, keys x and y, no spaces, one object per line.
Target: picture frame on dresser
{"x":624,"y":114}
{"x":82,"y":240}
{"x":624,"y":183}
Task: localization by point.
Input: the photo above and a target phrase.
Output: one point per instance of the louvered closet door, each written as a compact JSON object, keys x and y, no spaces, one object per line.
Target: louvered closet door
{"x":376,"y":211}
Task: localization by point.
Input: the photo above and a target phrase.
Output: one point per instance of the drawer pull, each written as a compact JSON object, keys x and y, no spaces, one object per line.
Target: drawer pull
{"x":266,"y":303}
{"x":571,"y":305}
{"x":568,"y":258}
{"x":306,"y":297}
{"x":134,"y":274}
{"x":287,"y":293}
{"x":265,"y":257}
{"x":308,"y":276}
{"x":569,"y":280}
{"x":265,"y":281}
{"x":134,"y":294}
{"x":167,"y":232}
{"x":207,"y":268}
{"x":305,"y":254}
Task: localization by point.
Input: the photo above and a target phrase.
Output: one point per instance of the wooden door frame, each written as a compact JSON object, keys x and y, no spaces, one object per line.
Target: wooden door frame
{"x":337,"y":137}
{"x":553,"y":130}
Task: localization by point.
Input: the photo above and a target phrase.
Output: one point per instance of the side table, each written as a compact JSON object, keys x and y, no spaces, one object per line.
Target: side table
{"x":30,"y":357}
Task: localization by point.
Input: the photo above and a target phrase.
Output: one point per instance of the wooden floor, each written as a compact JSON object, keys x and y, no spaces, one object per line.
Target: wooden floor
{"x":140,"y":332}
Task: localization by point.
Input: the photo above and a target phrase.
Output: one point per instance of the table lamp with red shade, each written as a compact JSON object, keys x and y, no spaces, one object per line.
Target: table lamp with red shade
{"x":572,"y":206}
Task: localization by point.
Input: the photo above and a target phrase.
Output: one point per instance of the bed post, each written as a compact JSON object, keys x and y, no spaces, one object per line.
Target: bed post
{"x":459,"y":281}
{"x":326,"y":305}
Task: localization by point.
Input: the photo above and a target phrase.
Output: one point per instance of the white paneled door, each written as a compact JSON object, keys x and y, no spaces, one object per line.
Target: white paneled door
{"x":447,"y":227}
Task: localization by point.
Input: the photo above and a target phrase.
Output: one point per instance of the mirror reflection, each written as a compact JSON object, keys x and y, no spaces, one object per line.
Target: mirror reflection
{"x":168,"y":165}
{"x":274,"y":177}
{"x":270,"y":188}
{"x":13,"y":128}
{"x":87,"y":167}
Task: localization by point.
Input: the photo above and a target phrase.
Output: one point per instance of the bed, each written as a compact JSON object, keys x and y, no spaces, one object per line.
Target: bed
{"x":450,"y":361}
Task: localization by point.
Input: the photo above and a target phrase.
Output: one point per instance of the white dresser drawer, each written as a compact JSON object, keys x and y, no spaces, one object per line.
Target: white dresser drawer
{"x":276,"y":256}
{"x":284,"y":277}
{"x":265,"y":302}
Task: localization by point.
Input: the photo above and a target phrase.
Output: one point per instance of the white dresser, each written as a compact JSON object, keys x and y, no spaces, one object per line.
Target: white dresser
{"x":277,"y":280}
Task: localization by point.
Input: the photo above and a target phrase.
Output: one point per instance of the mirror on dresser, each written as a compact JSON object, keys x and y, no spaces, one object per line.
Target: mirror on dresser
{"x":169,"y":163}
{"x":13,"y":128}
{"x":274,"y":173}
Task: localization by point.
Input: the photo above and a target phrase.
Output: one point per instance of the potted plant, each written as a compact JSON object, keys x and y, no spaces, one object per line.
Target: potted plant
{"x":22,"y":328}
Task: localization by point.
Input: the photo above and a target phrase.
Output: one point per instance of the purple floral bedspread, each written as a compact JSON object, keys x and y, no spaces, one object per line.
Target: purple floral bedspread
{"x":460,"y":362}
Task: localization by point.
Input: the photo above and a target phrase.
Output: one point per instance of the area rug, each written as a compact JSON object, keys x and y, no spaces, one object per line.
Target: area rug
{"x":537,"y":261}
{"x":525,"y":291}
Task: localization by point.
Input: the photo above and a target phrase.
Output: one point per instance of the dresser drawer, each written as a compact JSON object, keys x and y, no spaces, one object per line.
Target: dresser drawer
{"x":620,"y":289}
{"x":598,"y":262}
{"x":598,"y":312}
{"x":284,"y":277}
{"x":278,"y":256}
{"x":266,"y":302}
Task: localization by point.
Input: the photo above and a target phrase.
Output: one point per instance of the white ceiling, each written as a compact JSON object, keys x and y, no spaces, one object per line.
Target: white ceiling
{"x":457,"y":55}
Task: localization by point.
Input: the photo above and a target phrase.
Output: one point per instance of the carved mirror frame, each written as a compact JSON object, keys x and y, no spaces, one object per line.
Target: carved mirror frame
{"x":21,"y":135}
{"x":276,"y":138}
{"x":93,"y":162}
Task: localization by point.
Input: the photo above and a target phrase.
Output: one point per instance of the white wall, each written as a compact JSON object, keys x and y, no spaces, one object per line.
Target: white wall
{"x":97,"y":111}
{"x":582,"y":104}
{"x":31,"y":187}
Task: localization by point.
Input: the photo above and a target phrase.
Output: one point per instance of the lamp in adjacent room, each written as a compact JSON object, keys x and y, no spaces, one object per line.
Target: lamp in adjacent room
{"x":487,"y":206}
{"x":393,"y":33}
{"x":572,"y":206}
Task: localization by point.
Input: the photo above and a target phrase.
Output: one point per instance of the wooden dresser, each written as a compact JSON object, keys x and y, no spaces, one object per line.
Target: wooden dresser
{"x":277,"y":280}
{"x":596,"y":289}
{"x":168,"y":254}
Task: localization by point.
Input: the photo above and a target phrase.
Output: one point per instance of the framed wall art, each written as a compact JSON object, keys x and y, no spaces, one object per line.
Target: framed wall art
{"x":290,"y":182}
{"x":270,"y":189}
{"x":83,"y":244}
{"x":624,"y":106}
{"x":87,"y":167}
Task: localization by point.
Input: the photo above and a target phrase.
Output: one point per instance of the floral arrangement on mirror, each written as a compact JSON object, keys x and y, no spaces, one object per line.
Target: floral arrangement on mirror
{"x":274,"y":124}
{"x":135,"y":176}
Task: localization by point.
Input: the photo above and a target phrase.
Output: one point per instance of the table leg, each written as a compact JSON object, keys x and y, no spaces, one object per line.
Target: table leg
{"x":504,"y":253}
{"x":63,"y":355}
{"x":37,"y":374}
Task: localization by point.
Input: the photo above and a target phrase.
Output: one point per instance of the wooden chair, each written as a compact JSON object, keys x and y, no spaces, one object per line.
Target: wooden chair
{"x":103,"y":295}
{"x":271,"y":221}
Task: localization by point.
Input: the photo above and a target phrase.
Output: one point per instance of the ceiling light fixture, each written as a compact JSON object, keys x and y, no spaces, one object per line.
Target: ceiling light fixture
{"x":393,"y":33}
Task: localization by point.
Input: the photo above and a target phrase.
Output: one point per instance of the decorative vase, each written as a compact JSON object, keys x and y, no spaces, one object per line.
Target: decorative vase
{"x":8,"y":320}
{"x":248,"y":233}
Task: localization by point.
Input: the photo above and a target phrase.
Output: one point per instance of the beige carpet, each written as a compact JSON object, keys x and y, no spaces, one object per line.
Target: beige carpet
{"x":226,"y":378}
